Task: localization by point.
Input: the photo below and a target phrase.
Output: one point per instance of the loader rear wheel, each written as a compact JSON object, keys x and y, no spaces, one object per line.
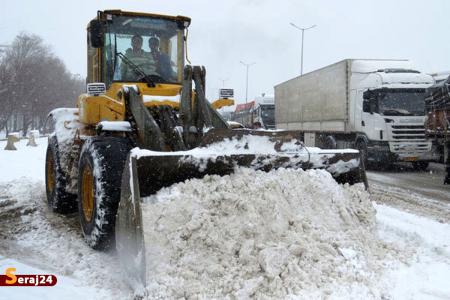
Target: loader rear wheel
{"x":100,"y":172}
{"x":58,"y":199}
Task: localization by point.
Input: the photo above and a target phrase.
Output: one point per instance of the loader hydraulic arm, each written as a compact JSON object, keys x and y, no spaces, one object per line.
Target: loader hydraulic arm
{"x":164,"y":133}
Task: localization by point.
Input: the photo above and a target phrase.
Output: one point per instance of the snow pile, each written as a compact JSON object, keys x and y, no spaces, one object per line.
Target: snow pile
{"x":425,"y":274}
{"x":246,"y":144}
{"x":264,"y":235}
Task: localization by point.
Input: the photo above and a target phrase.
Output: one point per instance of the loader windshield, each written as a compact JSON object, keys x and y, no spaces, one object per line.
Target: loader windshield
{"x":139,"y":47}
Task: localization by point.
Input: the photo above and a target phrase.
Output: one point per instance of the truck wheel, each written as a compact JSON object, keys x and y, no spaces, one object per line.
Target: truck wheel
{"x":361,"y":145}
{"x":420,"y":165}
{"x":99,"y":179}
{"x":58,"y":199}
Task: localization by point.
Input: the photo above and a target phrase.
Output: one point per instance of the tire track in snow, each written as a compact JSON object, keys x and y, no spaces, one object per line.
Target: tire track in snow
{"x":32,"y":234}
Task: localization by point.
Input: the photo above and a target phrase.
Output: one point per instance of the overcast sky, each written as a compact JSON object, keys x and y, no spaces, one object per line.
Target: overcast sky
{"x":223,"y":33}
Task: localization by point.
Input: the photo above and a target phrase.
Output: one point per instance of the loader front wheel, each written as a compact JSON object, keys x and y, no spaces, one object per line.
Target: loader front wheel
{"x":100,"y":171}
{"x":58,"y":199}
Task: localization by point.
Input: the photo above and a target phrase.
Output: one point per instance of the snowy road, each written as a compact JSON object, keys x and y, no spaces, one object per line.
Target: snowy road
{"x":34,"y":240}
{"x":419,"y":192}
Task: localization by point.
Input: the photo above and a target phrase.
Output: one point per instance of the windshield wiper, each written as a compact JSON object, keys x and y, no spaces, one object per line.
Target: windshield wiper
{"x":138,"y":70}
{"x":396,"y":112}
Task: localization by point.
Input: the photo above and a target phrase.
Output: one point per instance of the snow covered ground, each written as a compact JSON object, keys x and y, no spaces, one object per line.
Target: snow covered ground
{"x":415,"y":262}
{"x":32,"y":239}
{"x":418,"y":192}
{"x":426,"y":273}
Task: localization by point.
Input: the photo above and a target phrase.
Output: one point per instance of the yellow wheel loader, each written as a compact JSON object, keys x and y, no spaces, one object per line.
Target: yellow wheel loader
{"x":143,"y":124}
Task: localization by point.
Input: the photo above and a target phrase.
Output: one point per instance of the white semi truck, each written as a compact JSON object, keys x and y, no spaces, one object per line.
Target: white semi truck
{"x":264,"y":111}
{"x":375,"y":106}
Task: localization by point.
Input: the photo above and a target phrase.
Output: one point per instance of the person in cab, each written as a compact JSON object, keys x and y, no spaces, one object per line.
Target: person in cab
{"x":136,"y":56}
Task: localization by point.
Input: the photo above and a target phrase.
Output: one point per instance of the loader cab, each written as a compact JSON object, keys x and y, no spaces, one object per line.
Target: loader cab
{"x":112,"y":56}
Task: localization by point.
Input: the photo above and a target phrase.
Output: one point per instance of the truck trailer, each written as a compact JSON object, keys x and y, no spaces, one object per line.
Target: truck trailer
{"x":373,"y":105}
{"x":437,"y":123}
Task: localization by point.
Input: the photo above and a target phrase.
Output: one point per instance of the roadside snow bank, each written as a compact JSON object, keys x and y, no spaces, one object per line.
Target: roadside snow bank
{"x":426,"y":273}
{"x":264,"y":235}
{"x":23,"y":162}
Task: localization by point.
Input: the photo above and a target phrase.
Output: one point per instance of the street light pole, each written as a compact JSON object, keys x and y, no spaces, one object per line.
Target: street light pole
{"x":246,"y":84}
{"x":223,"y":81}
{"x":303,"y":33}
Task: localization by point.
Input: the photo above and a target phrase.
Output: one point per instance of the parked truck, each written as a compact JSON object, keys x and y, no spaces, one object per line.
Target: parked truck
{"x":437,"y":123}
{"x":259,"y":113}
{"x":376,"y":106}
{"x":264,"y":111}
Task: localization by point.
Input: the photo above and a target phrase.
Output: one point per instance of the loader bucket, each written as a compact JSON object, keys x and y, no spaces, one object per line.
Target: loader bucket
{"x":221,"y":151}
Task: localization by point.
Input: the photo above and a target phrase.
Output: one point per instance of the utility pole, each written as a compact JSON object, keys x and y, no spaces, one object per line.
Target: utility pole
{"x":303,"y":33}
{"x":223,"y":81}
{"x":246,"y":82}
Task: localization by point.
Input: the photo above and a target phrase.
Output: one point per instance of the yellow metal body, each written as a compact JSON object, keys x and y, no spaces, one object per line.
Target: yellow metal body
{"x":222,"y":102}
{"x":110,"y":106}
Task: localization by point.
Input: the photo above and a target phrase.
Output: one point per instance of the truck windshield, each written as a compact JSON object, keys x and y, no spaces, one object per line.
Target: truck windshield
{"x":401,"y":102}
{"x":137,"y":47}
{"x":268,"y":115}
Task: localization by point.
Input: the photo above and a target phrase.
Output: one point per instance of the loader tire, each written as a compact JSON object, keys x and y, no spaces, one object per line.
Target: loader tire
{"x":101,"y":165}
{"x":58,"y":199}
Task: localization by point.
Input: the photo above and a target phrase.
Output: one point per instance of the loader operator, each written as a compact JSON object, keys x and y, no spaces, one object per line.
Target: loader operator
{"x":137,"y":56}
{"x":163,"y":66}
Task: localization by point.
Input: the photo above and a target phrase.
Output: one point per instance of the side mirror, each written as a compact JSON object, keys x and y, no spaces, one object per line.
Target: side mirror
{"x":96,"y":34}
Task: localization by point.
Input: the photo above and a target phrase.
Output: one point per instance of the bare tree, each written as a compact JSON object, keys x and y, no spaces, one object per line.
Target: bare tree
{"x":33,"y":81}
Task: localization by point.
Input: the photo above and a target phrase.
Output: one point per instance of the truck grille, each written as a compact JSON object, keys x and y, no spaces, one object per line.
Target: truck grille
{"x":409,"y":138}
{"x":408,"y":132}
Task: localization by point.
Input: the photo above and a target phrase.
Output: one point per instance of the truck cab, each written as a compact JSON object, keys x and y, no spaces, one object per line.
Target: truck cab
{"x":264,"y":111}
{"x":390,"y":96}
